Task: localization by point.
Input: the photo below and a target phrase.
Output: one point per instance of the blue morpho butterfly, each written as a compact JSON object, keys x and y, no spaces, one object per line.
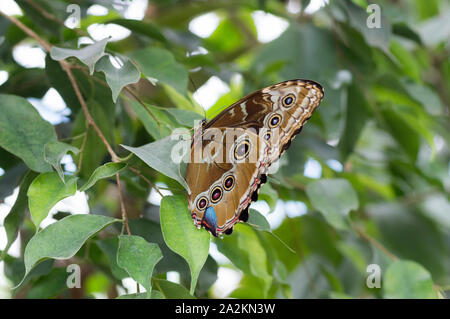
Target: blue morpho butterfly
{"x":231,"y":154}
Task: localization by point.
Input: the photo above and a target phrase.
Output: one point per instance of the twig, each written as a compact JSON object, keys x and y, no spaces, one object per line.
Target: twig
{"x":28,"y":31}
{"x":83,"y":144}
{"x":122,"y":205}
{"x":52,"y":17}
{"x":88,"y":116}
{"x":137,"y":172}
{"x":89,"y":119}
{"x":374,"y":242}
{"x":142,"y":103}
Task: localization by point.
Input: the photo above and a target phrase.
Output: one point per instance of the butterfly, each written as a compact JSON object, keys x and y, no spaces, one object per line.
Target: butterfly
{"x":230,"y":155}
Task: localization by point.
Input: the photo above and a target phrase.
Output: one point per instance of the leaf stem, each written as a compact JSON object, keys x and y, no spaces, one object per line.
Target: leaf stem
{"x":374,"y":242}
{"x":122,"y":205}
{"x":137,"y":172}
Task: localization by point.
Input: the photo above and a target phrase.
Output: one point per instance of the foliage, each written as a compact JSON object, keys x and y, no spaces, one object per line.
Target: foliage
{"x":380,"y":140}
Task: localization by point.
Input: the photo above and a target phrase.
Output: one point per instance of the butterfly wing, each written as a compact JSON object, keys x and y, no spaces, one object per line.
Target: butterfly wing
{"x":224,"y":176}
{"x":221,"y":187}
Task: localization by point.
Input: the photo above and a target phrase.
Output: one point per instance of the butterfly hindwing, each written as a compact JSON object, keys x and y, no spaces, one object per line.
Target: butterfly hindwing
{"x":223,"y":181}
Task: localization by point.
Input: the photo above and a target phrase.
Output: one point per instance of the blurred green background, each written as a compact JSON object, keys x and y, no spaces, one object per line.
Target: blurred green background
{"x":366,"y":182}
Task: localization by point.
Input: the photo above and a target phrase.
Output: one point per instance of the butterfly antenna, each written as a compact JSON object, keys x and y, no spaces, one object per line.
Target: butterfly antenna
{"x":195,"y":90}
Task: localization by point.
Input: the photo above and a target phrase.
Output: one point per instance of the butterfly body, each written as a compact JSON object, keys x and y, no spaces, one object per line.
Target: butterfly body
{"x":231,"y":154}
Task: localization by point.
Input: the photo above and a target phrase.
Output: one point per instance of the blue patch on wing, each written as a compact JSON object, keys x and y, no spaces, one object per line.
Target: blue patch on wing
{"x":210,"y":218}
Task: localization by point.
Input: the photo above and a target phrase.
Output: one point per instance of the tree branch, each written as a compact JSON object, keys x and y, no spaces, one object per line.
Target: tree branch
{"x":90,"y":121}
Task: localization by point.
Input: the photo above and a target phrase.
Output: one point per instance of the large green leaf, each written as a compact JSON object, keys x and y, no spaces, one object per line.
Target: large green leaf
{"x":408,"y":280}
{"x":23,"y":132}
{"x":63,"y":239}
{"x":138,"y":258}
{"x":334,"y":198}
{"x":182,"y":236}
{"x":257,"y":256}
{"x":45,"y":191}
{"x":406,"y":137}
{"x":158,"y":155}
{"x":355,"y":119}
{"x":155,"y":120}
{"x":159,"y":64}
{"x":17,"y":213}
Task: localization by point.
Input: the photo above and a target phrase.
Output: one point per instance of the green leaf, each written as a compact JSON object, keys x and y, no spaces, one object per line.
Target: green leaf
{"x":96,"y":282}
{"x":269,"y":195}
{"x":334,"y":198}
{"x":89,"y":55}
{"x":403,"y":29}
{"x":159,"y":125}
{"x":12,"y":176}
{"x":118,"y":78}
{"x":408,"y":62}
{"x":182,"y":236}
{"x":181,"y":101}
{"x":142,"y":27}
{"x":290,"y":47}
{"x":155,"y":295}
{"x":257,"y":256}
{"x":408,"y":280}
{"x":258,"y":221}
{"x":17,"y":213}
{"x":184,"y":117}
{"x":109,"y":247}
{"x":61,"y":240}
{"x":49,"y":286}
{"x":426,"y":96}
{"x":228,"y":35}
{"x":376,"y":37}
{"x":45,"y":191}
{"x":398,"y":226}
{"x":355,"y":120}
{"x":151,"y":231}
{"x":401,"y":130}
{"x":158,"y":155}
{"x":159,"y":64}
{"x":104,"y":171}
{"x":94,"y":149}
{"x":54,"y":152}
{"x":171,"y":290}
{"x":25,"y":141}
{"x":138,"y":258}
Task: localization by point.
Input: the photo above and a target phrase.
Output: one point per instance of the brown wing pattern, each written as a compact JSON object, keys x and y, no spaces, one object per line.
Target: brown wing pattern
{"x":271,"y":118}
{"x":225,"y":170}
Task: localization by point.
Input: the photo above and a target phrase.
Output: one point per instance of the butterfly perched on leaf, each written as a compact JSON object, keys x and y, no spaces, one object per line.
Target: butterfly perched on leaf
{"x":231,"y":154}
